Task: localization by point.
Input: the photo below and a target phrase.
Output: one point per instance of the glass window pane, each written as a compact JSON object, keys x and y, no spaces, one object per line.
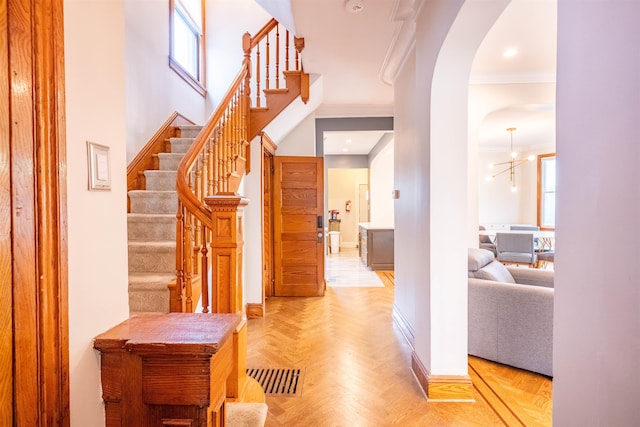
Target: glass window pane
{"x":549,"y":210}
{"x":547,"y":192}
{"x":185,"y":44}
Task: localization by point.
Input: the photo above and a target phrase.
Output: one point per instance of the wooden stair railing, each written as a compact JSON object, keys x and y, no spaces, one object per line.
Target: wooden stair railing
{"x":277,"y":76}
{"x":211,"y":171}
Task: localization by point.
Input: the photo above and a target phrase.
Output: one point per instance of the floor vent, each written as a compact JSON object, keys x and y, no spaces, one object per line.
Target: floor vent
{"x":279,"y":382}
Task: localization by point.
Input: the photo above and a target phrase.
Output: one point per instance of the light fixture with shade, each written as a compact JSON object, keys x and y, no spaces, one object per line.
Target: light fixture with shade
{"x":511,"y":164}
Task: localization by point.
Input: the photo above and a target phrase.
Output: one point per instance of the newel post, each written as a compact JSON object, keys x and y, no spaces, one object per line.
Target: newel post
{"x":226,"y":282}
{"x":226,"y":251}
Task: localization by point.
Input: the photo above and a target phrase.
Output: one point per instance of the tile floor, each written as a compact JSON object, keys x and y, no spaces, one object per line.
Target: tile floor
{"x":345,"y":269}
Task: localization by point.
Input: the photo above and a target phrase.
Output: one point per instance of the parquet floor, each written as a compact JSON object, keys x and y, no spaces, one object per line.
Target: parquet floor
{"x":357,"y":373}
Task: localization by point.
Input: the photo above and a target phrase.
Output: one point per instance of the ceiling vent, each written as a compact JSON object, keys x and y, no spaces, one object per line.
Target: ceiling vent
{"x":354,"y":6}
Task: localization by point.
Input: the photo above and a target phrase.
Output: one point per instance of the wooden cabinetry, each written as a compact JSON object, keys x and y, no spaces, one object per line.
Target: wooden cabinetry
{"x":376,"y":246}
{"x":167,"y":369}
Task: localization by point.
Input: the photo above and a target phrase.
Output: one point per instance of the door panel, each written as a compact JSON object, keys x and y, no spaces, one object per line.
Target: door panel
{"x":6,"y":306}
{"x":298,"y":236}
{"x":267,"y":244}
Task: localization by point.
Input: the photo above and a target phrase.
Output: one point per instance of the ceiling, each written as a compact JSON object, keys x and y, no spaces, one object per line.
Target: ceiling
{"x":350,"y":49}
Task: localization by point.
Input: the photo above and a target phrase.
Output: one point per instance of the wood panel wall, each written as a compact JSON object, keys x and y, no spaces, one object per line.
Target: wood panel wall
{"x":33,"y":215}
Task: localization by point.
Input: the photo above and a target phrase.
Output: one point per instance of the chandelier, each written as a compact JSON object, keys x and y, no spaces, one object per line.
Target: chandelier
{"x":512,"y":164}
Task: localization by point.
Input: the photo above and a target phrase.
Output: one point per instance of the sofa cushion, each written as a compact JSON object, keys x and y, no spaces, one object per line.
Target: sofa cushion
{"x":478,"y":258}
{"x":495,"y":271}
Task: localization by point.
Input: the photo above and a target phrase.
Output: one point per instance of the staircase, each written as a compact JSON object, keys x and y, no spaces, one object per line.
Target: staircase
{"x":177,"y":250}
{"x":151,"y":227}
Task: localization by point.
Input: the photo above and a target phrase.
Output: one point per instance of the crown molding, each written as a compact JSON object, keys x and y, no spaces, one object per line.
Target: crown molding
{"x":404,"y":14}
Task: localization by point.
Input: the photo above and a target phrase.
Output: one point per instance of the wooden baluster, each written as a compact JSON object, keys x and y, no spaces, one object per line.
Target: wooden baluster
{"x":205,"y":271}
{"x":176,"y":304}
{"x":233,"y":137}
{"x":198,"y":193}
{"x":286,"y":51}
{"x":216,"y":162}
{"x":187,"y":250}
{"x":219,"y":159}
{"x":211,"y":161}
{"x":205,"y":171}
{"x":228,"y":144}
{"x":246,"y":47}
{"x":258,"y":76}
{"x":236,"y":125}
{"x":225,"y":155}
{"x":278,"y":57}
{"x":267,"y":64}
{"x":245,"y":106}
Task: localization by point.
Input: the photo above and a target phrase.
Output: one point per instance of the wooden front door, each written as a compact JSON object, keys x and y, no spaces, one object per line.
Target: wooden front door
{"x":299,"y":226}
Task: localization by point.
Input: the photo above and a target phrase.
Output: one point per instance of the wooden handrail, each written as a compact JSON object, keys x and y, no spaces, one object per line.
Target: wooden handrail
{"x":263,"y":32}
{"x":185,"y":195}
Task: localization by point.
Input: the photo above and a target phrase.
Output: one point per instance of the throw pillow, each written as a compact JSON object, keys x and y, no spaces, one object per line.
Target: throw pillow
{"x":496,"y":272}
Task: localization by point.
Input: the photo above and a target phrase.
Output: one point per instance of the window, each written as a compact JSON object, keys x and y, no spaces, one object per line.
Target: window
{"x":547,"y":191}
{"x":186,"y":47}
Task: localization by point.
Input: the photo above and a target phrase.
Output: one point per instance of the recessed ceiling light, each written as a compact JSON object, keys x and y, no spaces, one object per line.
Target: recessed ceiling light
{"x":510,"y":53}
{"x":348,"y":140}
{"x":344,"y":150}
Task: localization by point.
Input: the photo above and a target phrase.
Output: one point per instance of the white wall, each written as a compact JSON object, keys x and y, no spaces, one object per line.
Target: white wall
{"x":431,"y":174}
{"x":301,"y":141}
{"x":597,"y":297}
{"x":407,"y":258}
{"x":381,"y":177}
{"x":253,"y":227}
{"x":343,"y":185}
{"x":227,"y":21}
{"x":497,"y":204}
{"x":153,"y":90}
{"x":95,"y":108}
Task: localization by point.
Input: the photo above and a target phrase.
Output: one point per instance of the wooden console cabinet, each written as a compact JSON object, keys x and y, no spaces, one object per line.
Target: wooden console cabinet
{"x":376,"y":246}
{"x":167,"y":370}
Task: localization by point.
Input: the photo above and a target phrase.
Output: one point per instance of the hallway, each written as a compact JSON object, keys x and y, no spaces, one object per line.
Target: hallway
{"x":356,"y":367}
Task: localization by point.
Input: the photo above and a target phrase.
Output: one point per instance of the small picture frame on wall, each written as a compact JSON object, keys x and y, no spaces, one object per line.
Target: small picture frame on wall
{"x":99,"y":167}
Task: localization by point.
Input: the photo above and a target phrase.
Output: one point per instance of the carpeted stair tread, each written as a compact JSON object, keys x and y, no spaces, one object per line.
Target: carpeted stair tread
{"x":170,"y":161}
{"x":189,"y":131}
{"x":160,"y":180}
{"x":149,"y":292}
{"x":151,"y":227}
{"x":150,"y":257}
{"x":151,"y":201}
{"x":180,"y":145}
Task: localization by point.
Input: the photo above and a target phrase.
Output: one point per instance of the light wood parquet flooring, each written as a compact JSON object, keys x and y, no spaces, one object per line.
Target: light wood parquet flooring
{"x":357,"y":368}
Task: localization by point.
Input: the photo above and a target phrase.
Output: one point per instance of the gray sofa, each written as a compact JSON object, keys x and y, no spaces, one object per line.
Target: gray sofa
{"x":510,"y":313}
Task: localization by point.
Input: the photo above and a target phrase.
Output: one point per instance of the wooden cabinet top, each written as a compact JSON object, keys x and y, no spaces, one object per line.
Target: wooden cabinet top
{"x":187,"y":333}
